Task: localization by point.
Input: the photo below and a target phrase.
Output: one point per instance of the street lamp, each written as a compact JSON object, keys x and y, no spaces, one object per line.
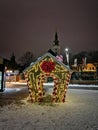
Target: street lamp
{"x":67,"y":55}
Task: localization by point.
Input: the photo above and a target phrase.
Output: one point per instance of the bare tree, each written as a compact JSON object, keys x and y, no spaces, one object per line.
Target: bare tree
{"x":26,"y":59}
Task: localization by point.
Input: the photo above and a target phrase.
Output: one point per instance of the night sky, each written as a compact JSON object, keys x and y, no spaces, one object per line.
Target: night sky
{"x":30,"y":25}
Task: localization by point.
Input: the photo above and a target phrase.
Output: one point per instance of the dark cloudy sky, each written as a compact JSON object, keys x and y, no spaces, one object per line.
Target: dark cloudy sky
{"x":30,"y":25}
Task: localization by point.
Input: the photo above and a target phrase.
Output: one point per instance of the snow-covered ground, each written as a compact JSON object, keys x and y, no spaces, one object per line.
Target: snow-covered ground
{"x":82,"y":85}
{"x":79,"y":112}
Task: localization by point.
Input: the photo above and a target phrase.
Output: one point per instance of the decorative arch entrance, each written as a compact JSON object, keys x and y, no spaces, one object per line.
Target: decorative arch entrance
{"x":47,"y":68}
{"x":41,"y":89}
{"x":37,"y":92}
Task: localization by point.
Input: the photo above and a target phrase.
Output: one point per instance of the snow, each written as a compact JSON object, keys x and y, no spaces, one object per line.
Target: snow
{"x":82,"y":85}
{"x":79,"y":112}
{"x":13,"y":89}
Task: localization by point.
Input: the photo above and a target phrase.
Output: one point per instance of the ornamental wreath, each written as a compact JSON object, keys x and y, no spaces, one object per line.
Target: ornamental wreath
{"x":47,"y":66}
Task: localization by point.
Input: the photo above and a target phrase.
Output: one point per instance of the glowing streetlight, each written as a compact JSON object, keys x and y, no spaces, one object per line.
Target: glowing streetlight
{"x":67,"y":55}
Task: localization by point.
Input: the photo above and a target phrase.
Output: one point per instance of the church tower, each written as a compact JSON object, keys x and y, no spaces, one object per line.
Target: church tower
{"x":56,"y":46}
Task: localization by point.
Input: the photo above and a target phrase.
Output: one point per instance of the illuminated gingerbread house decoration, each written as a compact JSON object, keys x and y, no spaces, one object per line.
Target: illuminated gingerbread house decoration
{"x":45,"y":68}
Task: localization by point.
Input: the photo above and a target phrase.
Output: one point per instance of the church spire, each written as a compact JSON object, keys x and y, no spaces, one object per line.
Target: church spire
{"x":56,"y":41}
{"x":56,"y":46}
